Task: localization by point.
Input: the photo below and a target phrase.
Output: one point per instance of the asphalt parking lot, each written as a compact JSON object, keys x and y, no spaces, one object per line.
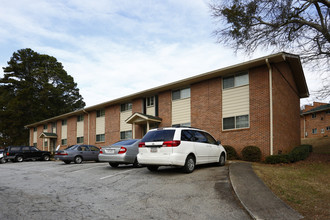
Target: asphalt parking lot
{"x":54,"y":190}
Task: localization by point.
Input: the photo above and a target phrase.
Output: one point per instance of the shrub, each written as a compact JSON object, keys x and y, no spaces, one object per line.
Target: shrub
{"x":281,"y":158}
{"x":251,"y":153}
{"x":231,"y":153}
{"x":300,"y":153}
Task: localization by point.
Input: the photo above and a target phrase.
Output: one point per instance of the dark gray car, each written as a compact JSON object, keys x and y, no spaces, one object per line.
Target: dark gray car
{"x":78,"y":153}
{"x":122,"y":152}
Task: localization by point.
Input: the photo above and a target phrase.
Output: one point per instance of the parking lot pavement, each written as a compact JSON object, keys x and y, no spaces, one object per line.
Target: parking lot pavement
{"x":54,"y":190}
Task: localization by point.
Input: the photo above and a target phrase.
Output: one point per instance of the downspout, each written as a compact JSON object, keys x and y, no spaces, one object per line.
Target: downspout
{"x":87,"y":124}
{"x":304,"y":127}
{"x":271,"y":106}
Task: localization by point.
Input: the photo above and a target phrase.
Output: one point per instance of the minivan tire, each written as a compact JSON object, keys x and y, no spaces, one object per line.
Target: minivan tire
{"x":222,"y":160}
{"x":189,"y":165}
{"x":152,"y":168}
{"x":19,"y":159}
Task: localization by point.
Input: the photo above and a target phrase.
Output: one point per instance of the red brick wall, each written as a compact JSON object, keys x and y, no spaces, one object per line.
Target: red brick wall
{"x":137,"y":107}
{"x":322,"y":121}
{"x":286,"y":109}
{"x":165,"y":108}
{"x":92,"y":128}
{"x":86,"y":126}
{"x":72,"y":130}
{"x":112,"y":124}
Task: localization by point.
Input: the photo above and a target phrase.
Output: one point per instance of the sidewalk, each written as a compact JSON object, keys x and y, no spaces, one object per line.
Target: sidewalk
{"x":256,"y":197}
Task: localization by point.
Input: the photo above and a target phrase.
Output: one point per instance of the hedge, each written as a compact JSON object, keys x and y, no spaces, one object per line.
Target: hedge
{"x":298,"y":153}
{"x":231,"y":153}
{"x":251,"y":153}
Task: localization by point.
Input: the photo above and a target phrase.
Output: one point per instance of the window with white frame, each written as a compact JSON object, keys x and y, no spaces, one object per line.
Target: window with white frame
{"x":125,"y":135}
{"x":328,"y":128}
{"x":100,"y":113}
{"x":181,"y":94}
{"x":64,"y":141}
{"x":64,"y":122}
{"x":80,"y":140}
{"x":236,"y":122}
{"x":80,"y":118}
{"x":150,"y":101}
{"x":314,"y":131}
{"x":100,"y":137}
{"x":236,"y":80}
{"x":125,"y":107}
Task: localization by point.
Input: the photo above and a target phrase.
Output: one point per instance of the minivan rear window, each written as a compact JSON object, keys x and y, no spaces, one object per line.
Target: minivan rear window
{"x":159,"y":135}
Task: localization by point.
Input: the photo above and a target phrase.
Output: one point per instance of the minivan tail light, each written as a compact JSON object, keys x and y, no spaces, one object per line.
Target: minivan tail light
{"x":171,"y":143}
{"x":142,"y":144}
{"x":122,"y":150}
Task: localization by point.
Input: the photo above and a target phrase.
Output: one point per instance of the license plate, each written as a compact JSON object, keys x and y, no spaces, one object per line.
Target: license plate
{"x":110,"y":151}
{"x":153,"y":149}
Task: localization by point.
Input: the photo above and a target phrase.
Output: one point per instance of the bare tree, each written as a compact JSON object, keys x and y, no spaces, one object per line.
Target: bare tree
{"x":297,"y":26}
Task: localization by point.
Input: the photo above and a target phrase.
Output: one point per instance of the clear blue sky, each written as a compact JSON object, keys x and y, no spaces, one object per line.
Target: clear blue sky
{"x":114,"y":48}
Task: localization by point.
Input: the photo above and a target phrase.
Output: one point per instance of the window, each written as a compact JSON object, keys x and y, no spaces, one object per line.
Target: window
{"x":314,"y":115}
{"x":150,"y":101}
{"x":314,"y":131}
{"x":64,"y":141}
{"x":64,"y":122}
{"x":181,"y":94}
{"x":80,"y":118}
{"x":125,"y":107}
{"x":125,"y":135}
{"x":327,"y":112}
{"x":46,"y":144}
{"x":100,"y":113}
{"x":34,"y":144}
{"x":328,"y":128}
{"x":80,"y":140}
{"x":241,"y":121}
{"x":45,"y":127}
{"x":100,"y":137}
{"x":235,"y":80}
{"x":322,"y":131}
{"x":35,"y":129}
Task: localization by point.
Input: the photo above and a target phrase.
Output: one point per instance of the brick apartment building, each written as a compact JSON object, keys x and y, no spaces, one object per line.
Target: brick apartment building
{"x":315,"y":120}
{"x":251,"y":103}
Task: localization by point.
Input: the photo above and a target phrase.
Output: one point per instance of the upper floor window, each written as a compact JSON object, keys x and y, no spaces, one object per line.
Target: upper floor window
{"x":35,"y":129}
{"x":80,"y":118}
{"x":100,"y":113}
{"x":328,"y":128}
{"x":45,"y":127}
{"x":314,"y":115}
{"x":235,"y":80}
{"x":150,"y":101}
{"x":125,"y":107}
{"x":314,"y":131}
{"x":64,"y":122}
{"x":181,"y":94}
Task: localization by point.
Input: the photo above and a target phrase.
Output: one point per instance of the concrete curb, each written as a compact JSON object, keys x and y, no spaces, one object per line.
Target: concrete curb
{"x":258,"y":200}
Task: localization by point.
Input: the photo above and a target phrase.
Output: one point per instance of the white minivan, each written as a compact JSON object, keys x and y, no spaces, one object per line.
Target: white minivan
{"x":179,"y":146}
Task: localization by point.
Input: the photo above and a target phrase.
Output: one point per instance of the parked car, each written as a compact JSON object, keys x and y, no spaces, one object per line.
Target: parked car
{"x":179,"y":146}
{"x":20,"y":153}
{"x":122,"y":152}
{"x":2,"y":156}
{"x":78,"y":153}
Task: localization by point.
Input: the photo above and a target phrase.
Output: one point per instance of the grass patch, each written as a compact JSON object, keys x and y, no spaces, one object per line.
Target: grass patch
{"x":320,"y":145}
{"x":305,"y":186}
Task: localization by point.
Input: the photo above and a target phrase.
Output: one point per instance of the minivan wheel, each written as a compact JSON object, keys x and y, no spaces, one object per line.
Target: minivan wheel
{"x":46,"y":157}
{"x":189,"y":166}
{"x":113,"y":164}
{"x":152,"y":168}
{"x":222,"y":160}
{"x":19,"y":158}
{"x":78,"y":159}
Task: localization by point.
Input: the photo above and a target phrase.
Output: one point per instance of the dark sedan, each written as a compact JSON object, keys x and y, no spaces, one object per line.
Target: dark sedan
{"x":78,"y":153}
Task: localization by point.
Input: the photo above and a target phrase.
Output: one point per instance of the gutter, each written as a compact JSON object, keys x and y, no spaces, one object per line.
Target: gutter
{"x":87,"y":124}
{"x":271,"y":106}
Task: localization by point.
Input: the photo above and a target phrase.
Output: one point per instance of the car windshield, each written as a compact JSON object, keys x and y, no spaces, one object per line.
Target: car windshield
{"x":158,"y":135}
{"x":126,"y":142}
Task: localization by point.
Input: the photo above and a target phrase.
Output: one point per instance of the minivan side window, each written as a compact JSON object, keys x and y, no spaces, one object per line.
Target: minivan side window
{"x":210,"y":139}
{"x":200,"y":137}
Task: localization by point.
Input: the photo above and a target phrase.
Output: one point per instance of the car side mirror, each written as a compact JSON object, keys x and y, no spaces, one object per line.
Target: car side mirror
{"x":218,"y":142}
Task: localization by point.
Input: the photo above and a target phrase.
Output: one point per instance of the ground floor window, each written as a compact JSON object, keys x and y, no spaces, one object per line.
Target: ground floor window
{"x":64,"y":142}
{"x":314,"y":131}
{"x":328,"y":128}
{"x":100,"y":137}
{"x":80,"y":140}
{"x":125,"y":135}
{"x":236,"y":122}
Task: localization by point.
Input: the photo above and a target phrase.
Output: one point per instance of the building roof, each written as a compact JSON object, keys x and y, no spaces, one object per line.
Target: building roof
{"x":292,"y":60}
{"x":320,"y":108}
{"x":48,"y":135}
{"x":142,"y":118}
